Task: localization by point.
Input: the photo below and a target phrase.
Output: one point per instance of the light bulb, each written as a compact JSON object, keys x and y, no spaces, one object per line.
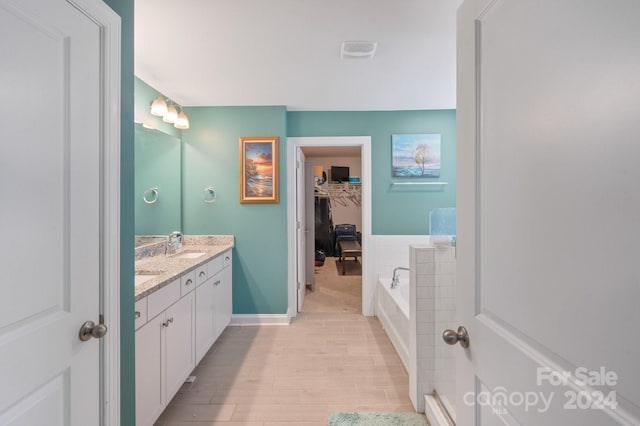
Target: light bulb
{"x":182,"y":122}
{"x":171,"y":116}
{"x":159,"y":107}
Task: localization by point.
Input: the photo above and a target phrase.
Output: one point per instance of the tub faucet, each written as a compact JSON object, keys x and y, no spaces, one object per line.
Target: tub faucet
{"x":174,"y":243}
{"x":396,"y":279}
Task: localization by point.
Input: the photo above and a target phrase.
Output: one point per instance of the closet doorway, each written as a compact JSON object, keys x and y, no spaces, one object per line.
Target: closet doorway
{"x":334,"y":203}
{"x":334,"y":285}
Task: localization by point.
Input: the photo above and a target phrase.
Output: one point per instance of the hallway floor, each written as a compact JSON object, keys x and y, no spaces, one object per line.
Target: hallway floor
{"x":299,"y":374}
{"x":335,"y":292}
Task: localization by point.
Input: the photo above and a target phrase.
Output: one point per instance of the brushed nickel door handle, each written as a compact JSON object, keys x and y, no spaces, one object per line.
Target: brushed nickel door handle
{"x":451,"y":337}
{"x":90,"y":329}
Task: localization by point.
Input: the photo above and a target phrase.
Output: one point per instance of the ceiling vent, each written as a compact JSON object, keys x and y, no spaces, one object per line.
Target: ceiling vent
{"x":358,"y":49}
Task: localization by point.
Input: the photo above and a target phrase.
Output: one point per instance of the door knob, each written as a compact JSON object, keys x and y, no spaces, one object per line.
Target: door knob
{"x":89,"y":329}
{"x":450,"y":337}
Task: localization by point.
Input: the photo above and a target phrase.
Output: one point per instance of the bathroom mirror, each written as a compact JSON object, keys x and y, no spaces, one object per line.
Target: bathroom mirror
{"x":157,"y":184}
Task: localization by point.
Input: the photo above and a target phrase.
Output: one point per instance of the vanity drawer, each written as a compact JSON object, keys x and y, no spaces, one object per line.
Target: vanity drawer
{"x":201,"y":274}
{"x":215,"y":265}
{"x":160,"y":300}
{"x":187,"y":282}
{"x":140,"y":315}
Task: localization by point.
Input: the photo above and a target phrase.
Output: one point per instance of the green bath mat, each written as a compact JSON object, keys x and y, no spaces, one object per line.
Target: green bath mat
{"x":377,"y":419}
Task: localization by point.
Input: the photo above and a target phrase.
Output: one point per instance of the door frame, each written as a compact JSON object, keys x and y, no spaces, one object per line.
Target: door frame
{"x":301,"y":238}
{"x":368,"y":284}
{"x":110,"y":39}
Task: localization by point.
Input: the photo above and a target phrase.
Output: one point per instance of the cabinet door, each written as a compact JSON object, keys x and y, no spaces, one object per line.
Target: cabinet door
{"x":149,"y":396}
{"x":178,"y":344}
{"x":204,"y":318}
{"x":222,"y":297}
{"x":227,"y":295}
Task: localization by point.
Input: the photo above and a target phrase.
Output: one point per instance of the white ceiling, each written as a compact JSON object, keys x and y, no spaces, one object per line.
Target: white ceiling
{"x":286,"y":52}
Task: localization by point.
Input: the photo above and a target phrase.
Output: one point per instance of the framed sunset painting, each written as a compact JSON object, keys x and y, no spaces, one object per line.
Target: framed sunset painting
{"x":259,"y":169}
{"x":415,"y":156}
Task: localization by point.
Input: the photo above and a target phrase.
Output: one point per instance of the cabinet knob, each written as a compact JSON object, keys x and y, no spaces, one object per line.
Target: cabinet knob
{"x":202,"y":274}
{"x":189,"y":282}
{"x":217,"y":282}
{"x":136,"y":315}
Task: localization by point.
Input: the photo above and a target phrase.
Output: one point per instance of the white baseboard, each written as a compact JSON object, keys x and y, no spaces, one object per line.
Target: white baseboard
{"x":240,"y":320}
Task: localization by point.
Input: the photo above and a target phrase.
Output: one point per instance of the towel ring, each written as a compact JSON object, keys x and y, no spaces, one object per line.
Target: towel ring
{"x":209,"y":195}
{"x":150,"y":196}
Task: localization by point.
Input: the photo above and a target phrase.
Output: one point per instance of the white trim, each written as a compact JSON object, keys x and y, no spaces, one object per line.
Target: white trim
{"x":394,"y":335}
{"x":368,"y":281}
{"x":239,"y":320}
{"x":434,"y":413}
{"x":110,"y":30}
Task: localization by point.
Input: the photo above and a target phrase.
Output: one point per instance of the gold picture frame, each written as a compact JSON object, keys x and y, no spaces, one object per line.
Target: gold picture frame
{"x":259,"y":169}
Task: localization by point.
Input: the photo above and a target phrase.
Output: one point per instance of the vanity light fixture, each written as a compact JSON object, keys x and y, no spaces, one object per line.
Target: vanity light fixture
{"x":168,"y":110}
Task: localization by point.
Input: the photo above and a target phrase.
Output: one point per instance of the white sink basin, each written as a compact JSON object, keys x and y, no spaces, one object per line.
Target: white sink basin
{"x":189,"y":255}
{"x":142,"y":277}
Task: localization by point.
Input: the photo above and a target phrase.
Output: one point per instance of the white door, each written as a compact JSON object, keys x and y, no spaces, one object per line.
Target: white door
{"x":50,"y":187}
{"x":309,"y":226}
{"x":300,"y":227}
{"x":549,"y":207}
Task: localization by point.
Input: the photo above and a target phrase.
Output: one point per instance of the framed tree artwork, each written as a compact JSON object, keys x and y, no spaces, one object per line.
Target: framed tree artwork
{"x":415,"y":156}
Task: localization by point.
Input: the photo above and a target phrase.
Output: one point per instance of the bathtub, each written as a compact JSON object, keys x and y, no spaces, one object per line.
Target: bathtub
{"x":393,"y":313}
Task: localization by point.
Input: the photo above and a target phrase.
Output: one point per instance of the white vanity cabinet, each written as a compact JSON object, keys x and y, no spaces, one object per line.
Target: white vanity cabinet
{"x":175,"y":327}
{"x":164,"y":350}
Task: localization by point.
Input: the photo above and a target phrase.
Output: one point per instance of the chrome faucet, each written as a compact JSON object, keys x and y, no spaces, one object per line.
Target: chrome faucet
{"x":395,"y":280}
{"x":174,"y":243}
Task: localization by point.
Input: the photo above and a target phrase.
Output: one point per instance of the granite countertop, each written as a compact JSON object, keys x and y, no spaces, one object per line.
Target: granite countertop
{"x":157,"y":270}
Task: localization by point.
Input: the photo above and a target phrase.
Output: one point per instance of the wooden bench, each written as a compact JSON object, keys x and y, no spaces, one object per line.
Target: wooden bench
{"x":349,"y":249}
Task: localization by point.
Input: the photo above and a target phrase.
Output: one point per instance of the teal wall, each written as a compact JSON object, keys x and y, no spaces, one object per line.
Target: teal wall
{"x":124,"y":8}
{"x":210,"y":158}
{"x":396,"y":210}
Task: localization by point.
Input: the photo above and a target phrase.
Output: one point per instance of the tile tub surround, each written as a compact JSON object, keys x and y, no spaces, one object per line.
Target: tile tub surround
{"x":432,"y":299}
{"x":391,"y":251}
{"x":172,"y":266}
